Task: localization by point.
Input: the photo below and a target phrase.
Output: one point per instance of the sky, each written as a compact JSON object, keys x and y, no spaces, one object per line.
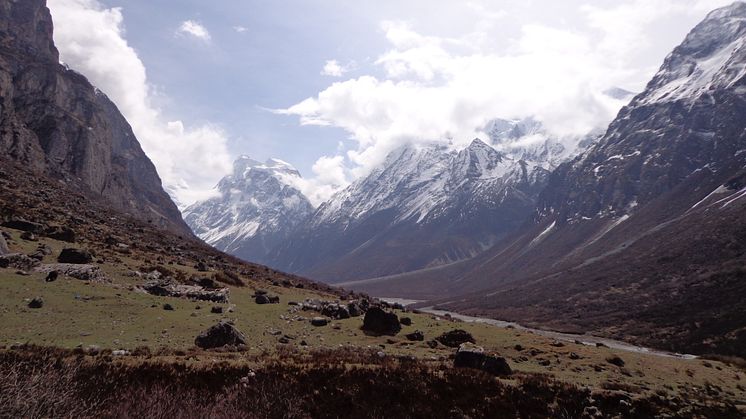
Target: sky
{"x":332,"y":86}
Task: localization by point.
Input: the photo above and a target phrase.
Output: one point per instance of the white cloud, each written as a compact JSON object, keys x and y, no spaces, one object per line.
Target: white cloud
{"x":190,"y":160}
{"x":445,"y":88}
{"x":240,"y":29}
{"x":195,"y":29}
{"x":328,"y":177}
{"x":333,"y":68}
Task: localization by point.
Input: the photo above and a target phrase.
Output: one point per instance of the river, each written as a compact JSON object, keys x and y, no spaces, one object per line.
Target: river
{"x":566,"y":337}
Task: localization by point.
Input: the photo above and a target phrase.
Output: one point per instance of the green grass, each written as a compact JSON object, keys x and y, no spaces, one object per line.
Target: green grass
{"x":117,"y":316}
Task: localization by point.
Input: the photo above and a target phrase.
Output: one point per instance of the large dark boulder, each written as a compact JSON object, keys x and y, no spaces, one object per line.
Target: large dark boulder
{"x":221,"y":334}
{"x":76,"y":256}
{"x":470,"y":356}
{"x":417,"y":335}
{"x":64,"y":234}
{"x":455,"y":338}
{"x":380,"y":322}
{"x":24,"y":225}
{"x":261,"y":299}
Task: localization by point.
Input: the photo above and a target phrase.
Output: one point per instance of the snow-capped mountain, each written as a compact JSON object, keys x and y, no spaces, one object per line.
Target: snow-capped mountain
{"x":426,"y":206}
{"x":257,"y":208}
{"x":645,"y":231}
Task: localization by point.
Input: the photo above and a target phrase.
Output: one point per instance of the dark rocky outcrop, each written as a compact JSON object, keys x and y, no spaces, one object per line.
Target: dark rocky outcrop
{"x":55,"y":122}
{"x":380,"y":322}
{"x":470,"y":356}
{"x":83,"y":272}
{"x":417,"y":335}
{"x":76,"y":256}
{"x":219,"y":335}
{"x":454,"y":338}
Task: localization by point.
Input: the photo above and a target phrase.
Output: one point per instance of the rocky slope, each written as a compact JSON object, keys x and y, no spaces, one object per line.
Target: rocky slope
{"x":426,"y":206}
{"x":644,"y":233}
{"x":257,"y":209}
{"x":53,"y":120}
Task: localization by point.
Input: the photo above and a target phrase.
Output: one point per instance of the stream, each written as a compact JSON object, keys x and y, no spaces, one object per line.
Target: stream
{"x":565,"y":337}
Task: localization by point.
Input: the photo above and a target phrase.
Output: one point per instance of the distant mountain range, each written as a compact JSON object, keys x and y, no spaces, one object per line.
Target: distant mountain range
{"x":425,"y":206}
{"x":639,"y":233}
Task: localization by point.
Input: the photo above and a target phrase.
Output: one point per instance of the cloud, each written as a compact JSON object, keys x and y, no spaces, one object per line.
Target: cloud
{"x":328,"y":177}
{"x":189,"y":159}
{"x":195,"y":29}
{"x":333,"y":68}
{"x":240,"y":29}
{"x":429,"y":88}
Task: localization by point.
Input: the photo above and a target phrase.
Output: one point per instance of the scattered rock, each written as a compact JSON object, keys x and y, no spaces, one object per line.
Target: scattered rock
{"x":601,"y":345}
{"x":81,"y":272}
{"x":36,"y":302}
{"x":283,"y":340}
{"x":455,"y":338}
{"x":380,"y":322}
{"x":169,"y":288}
{"x":354,"y":309}
{"x":416,"y":336}
{"x":615,"y":360}
{"x":75,"y":256}
{"x":273,"y":299}
{"x":52,"y":276}
{"x":471,"y":356}
{"x":336,"y":311}
{"x":29,"y":236}
{"x":319,"y":321}
{"x":201,"y":267}
{"x":406,"y":321}
{"x":168,"y":307}
{"x":219,"y":335}
{"x":432,"y":344}
{"x":261,"y":299}
{"x":574,"y":356}
{"x":18,"y":261}
{"x":518,"y":348}
{"x":216,"y":310}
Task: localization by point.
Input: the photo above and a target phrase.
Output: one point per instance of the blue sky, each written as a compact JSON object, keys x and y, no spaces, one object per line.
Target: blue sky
{"x":246,"y":77}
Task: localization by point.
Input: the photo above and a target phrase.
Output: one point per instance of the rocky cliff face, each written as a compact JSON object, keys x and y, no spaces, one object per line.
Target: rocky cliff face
{"x":257,"y":209}
{"x":53,"y":120}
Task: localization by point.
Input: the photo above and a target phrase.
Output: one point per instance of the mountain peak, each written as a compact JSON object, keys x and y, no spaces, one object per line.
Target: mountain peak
{"x":712,"y":57}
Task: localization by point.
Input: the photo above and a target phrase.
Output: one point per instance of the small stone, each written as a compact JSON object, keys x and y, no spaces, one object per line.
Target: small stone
{"x":168,"y":307}
{"x":36,"y":302}
{"x":319,"y":321}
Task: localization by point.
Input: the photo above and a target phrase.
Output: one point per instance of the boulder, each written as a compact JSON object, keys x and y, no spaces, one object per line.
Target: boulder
{"x":76,"y":256}
{"x":273,"y":299}
{"x":336,"y":311}
{"x":36,"y":302}
{"x":221,"y":334}
{"x":471,"y":356}
{"x":354,"y":309}
{"x":406,"y":321}
{"x":216,"y":310}
{"x":24,"y":225}
{"x":168,"y":307}
{"x":380,"y":322}
{"x":261,"y":299}
{"x":18,"y":261}
{"x":63,"y":234}
{"x":455,"y":338}
{"x":51,"y":276}
{"x":615,"y":360}
{"x":319,"y":321}
{"x":416,"y":336}
{"x":29,"y":236}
